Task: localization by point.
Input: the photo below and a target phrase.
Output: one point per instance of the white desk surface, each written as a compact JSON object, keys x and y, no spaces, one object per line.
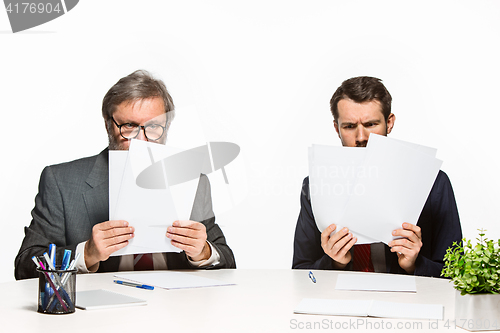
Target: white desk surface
{"x":261,"y":301}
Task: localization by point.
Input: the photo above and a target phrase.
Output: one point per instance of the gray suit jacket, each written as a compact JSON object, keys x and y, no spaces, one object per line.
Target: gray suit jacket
{"x":73,"y":197}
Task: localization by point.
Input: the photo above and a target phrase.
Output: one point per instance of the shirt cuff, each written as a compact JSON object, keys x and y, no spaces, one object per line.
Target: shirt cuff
{"x":80,"y":264}
{"x":212,"y":261}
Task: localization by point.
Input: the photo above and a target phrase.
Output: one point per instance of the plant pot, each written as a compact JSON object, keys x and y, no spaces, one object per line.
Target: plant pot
{"x":477,"y":312}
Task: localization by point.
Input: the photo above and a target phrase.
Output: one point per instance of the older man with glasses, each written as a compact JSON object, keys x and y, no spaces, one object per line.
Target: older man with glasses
{"x":72,"y":206}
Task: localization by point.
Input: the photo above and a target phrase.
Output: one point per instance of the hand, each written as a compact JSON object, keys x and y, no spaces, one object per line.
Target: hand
{"x":191,"y":237}
{"x":337,"y":246}
{"x":407,"y":247}
{"x":107,"y":237}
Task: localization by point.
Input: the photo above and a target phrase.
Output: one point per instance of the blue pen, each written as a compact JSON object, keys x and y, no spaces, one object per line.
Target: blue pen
{"x":65,"y":261}
{"x":311,"y":276}
{"x":137,"y":285}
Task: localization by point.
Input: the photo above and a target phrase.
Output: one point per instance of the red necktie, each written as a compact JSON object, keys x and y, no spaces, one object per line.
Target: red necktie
{"x":362,"y":258}
{"x":143,"y":262}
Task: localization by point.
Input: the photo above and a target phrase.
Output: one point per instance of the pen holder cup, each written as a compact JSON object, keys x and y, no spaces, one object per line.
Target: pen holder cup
{"x":56,"y":291}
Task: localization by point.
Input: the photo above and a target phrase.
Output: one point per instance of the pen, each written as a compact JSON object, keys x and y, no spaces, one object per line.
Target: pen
{"x":36,"y":262}
{"x":49,"y":261}
{"x":70,"y":268}
{"x":311,"y":276}
{"x":137,"y":285}
{"x":52,"y":254}
{"x":65,"y":261}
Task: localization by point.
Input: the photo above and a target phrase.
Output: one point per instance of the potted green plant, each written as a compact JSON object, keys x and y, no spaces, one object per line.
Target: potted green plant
{"x":475,"y":272}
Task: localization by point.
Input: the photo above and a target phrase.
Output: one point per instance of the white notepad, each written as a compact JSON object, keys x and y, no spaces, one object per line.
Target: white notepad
{"x":369,"y":308}
{"x":103,"y":299}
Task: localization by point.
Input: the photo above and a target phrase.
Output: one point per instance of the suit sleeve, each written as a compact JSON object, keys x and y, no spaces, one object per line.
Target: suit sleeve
{"x":307,"y":250}
{"x":440,"y":226}
{"x":47,"y":226}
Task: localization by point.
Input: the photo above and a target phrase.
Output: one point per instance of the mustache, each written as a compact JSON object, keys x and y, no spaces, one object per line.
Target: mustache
{"x":361,"y":143}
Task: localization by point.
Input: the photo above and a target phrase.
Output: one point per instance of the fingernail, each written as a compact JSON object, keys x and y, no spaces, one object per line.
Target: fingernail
{"x":394,"y":233}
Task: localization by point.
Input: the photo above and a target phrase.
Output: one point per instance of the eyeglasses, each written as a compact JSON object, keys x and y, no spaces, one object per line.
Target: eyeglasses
{"x":129,"y":131}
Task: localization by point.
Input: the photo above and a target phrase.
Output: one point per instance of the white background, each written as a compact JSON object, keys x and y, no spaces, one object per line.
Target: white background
{"x":261,"y":75}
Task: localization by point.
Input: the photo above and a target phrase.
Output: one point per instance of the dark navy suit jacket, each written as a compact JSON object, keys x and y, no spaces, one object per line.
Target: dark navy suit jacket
{"x":438,"y":221}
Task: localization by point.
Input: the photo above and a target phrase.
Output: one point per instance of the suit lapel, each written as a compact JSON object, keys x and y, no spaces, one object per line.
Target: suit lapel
{"x":97,"y":196}
{"x":97,"y":202}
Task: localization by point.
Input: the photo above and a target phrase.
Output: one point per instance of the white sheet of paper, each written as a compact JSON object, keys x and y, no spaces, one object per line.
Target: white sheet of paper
{"x":376,"y":282}
{"x":395,"y":193}
{"x":383,"y":309}
{"x":333,"y":173}
{"x":104,"y":299}
{"x":182,"y":194}
{"x":172,"y":280}
{"x":150,"y":212}
{"x":330,"y":307}
{"x":372,"y":191}
{"x":372,"y":308}
{"x":423,"y":149}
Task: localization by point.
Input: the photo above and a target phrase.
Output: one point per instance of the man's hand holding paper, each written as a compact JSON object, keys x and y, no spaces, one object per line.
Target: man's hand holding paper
{"x":191,"y":237}
{"x":107,"y":237}
{"x":337,"y":245}
{"x":408,"y":247}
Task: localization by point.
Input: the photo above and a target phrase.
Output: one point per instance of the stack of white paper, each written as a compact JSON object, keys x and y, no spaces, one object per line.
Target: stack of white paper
{"x":371,"y":190}
{"x":103,"y":299}
{"x":369,"y":308}
{"x":147,"y":203}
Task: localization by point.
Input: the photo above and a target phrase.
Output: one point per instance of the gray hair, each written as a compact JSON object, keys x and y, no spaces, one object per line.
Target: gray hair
{"x":134,"y":87}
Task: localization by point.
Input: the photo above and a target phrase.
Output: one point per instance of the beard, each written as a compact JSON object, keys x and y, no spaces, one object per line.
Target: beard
{"x":115,"y":143}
